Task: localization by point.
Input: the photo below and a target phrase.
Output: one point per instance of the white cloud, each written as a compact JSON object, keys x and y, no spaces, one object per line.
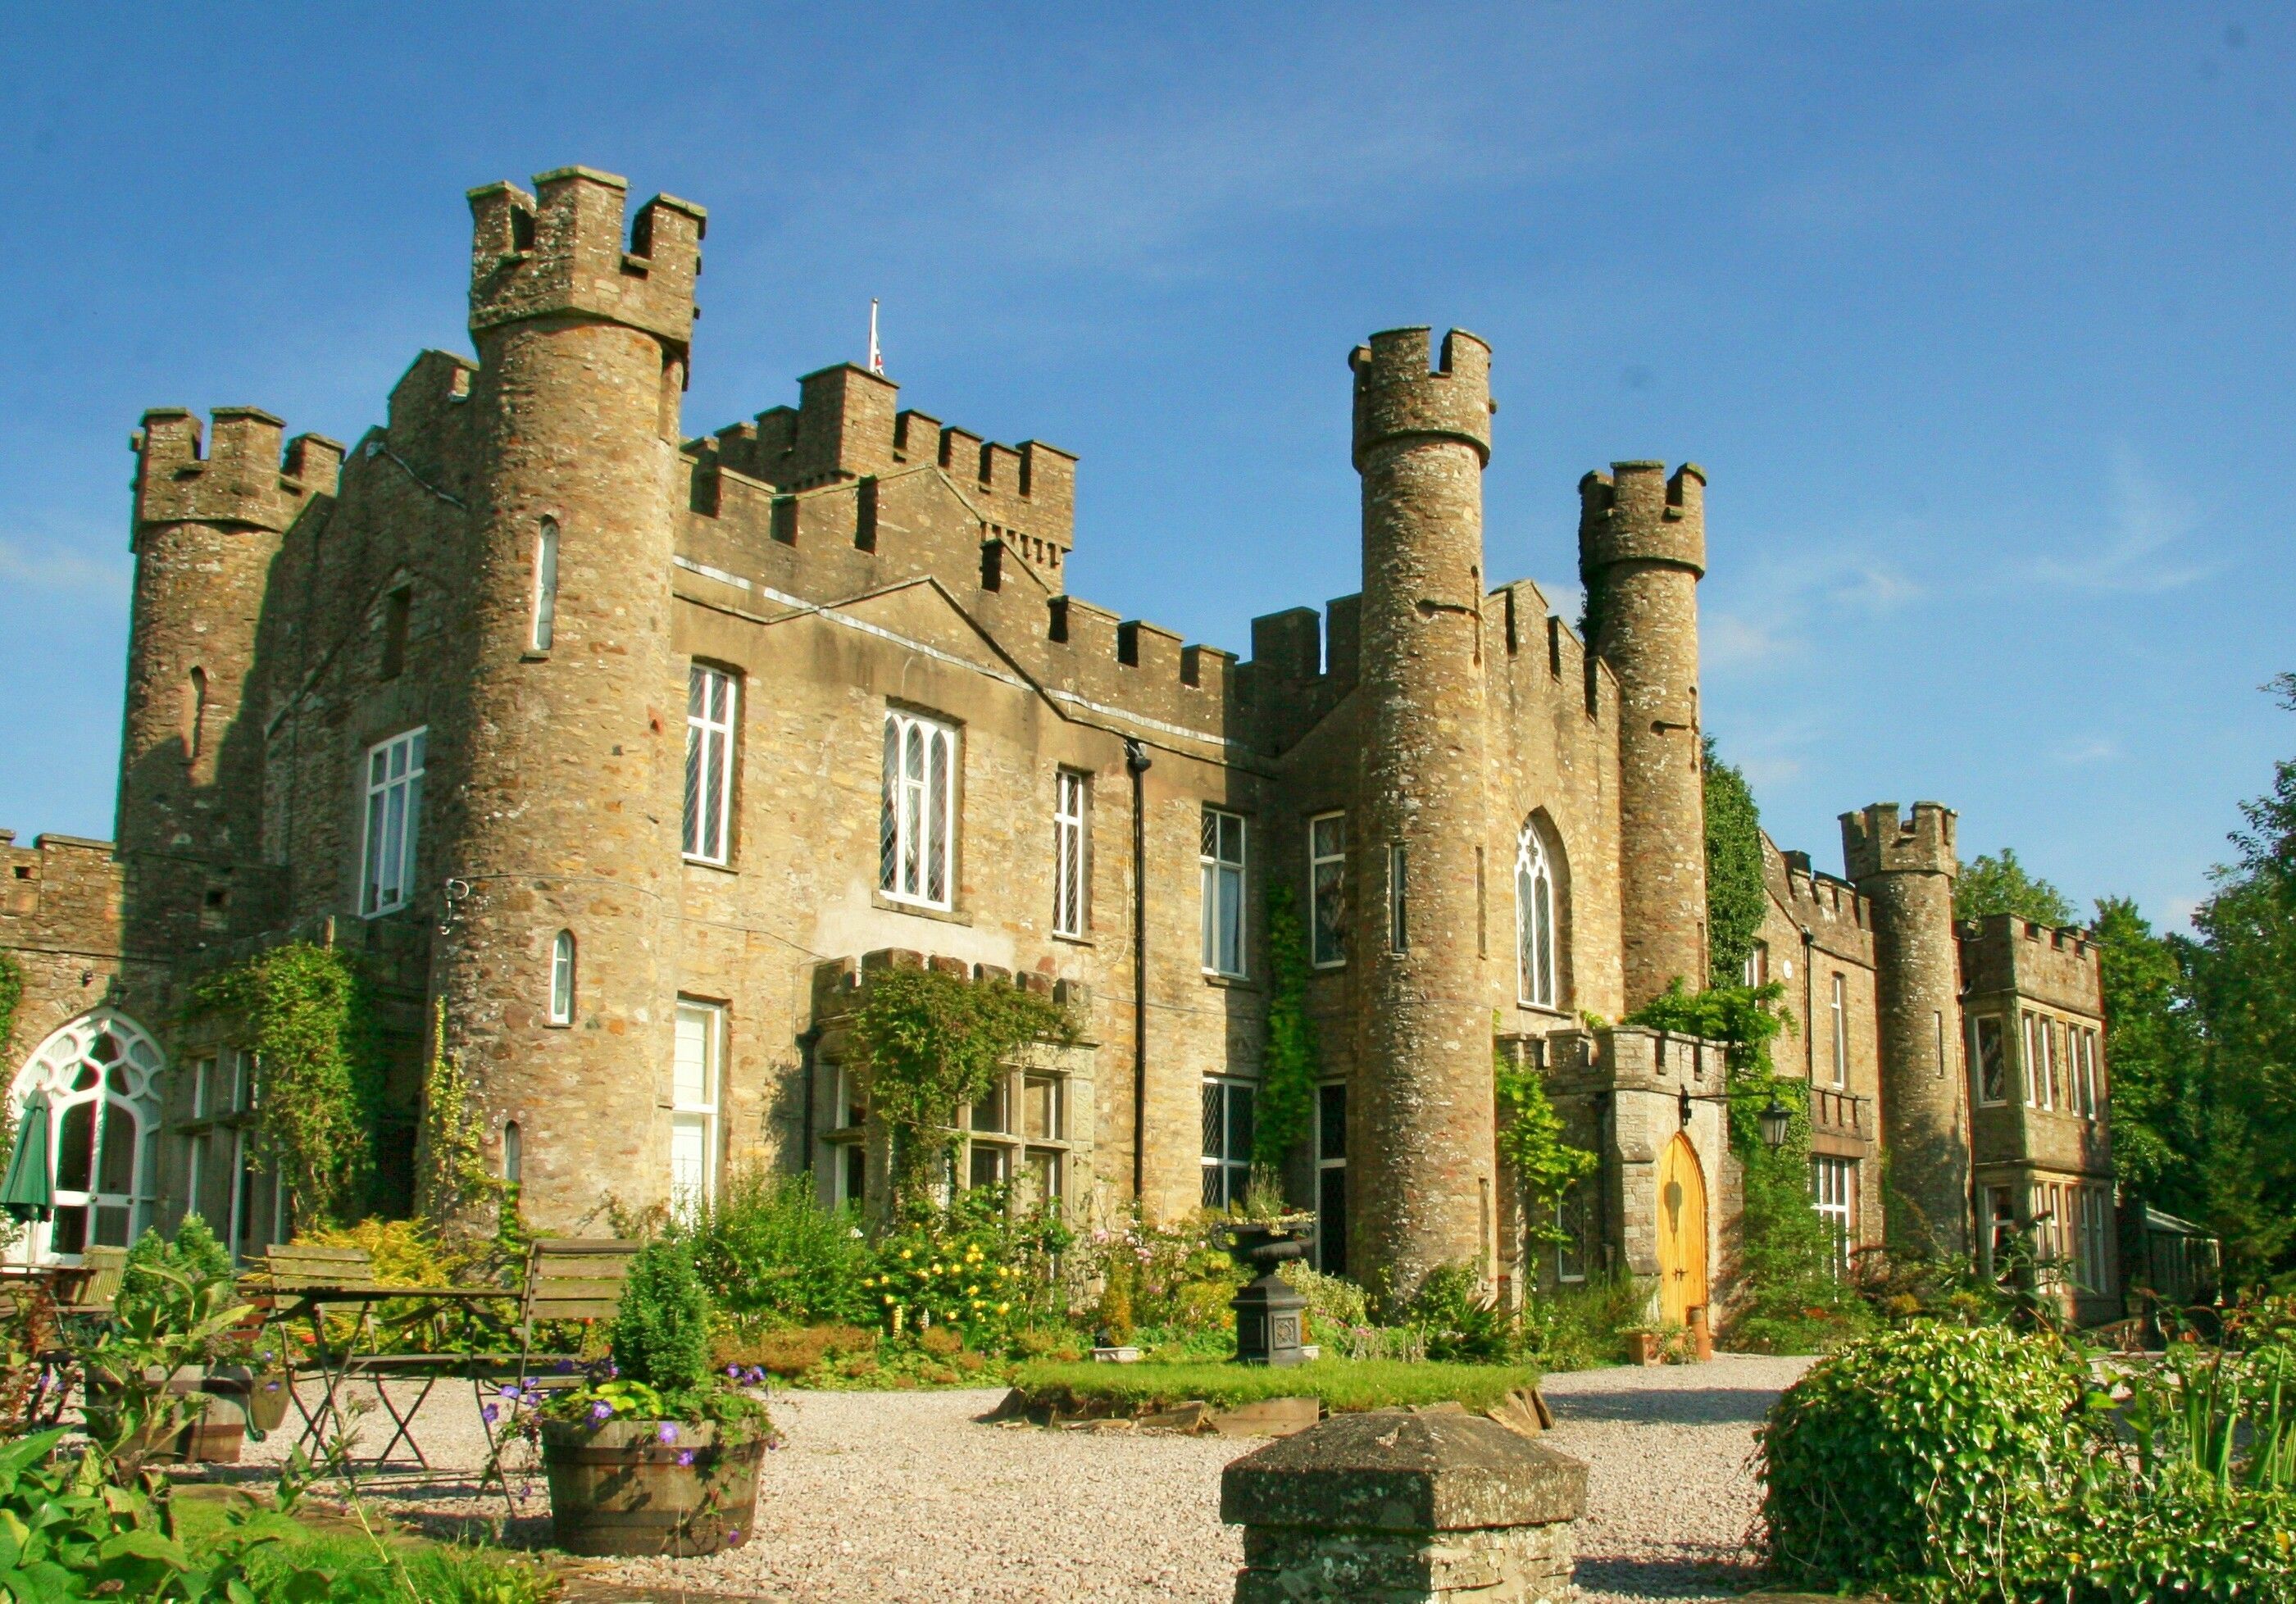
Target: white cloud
{"x":1728,"y":640}
{"x":2093,"y":749}
{"x":55,"y":569}
{"x":1876,"y":588}
{"x":2146,"y":522}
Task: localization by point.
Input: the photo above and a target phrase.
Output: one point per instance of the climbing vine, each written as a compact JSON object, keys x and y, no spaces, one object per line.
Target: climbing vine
{"x":309,"y":1017}
{"x":453,"y":1179}
{"x":932,"y":1043}
{"x":1530,"y":1140}
{"x":1735,"y":896}
{"x":12,"y":992}
{"x":1290,"y":1063}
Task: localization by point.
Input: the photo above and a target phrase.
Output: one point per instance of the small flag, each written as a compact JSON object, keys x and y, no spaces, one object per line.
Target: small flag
{"x":876,"y":357}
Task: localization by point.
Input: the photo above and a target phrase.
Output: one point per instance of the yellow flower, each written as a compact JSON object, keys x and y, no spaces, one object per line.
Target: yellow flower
{"x":1003,"y":1308}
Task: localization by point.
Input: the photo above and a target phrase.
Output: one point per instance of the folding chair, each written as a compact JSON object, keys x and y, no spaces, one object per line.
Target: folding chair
{"x":300,"y":1267}
{"x":568,"y":1278}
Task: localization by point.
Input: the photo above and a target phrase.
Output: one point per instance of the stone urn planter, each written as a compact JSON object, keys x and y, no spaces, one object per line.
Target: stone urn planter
{"x":619,"y":1488}
{"x":1270,"y":1317}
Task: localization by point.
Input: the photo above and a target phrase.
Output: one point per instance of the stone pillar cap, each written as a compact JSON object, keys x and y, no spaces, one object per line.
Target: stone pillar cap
{"x":1397,"y":1470}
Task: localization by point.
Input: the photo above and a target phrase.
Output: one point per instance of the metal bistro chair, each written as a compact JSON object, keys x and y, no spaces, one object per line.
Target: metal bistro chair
{"x":568,"y":1278}
{"x":300,"y":1267}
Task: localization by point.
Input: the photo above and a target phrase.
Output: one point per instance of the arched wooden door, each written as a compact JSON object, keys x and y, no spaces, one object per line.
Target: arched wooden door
{"x":1681,"y":1232}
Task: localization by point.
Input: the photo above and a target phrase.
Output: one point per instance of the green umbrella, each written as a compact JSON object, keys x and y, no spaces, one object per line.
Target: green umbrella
{"x":29,"y":1190}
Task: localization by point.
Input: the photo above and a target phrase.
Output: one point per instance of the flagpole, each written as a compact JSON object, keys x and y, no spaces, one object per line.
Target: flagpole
{"x":876,"y":356}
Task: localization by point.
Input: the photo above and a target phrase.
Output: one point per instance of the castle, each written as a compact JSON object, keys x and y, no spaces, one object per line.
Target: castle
{"x":628,"y":757}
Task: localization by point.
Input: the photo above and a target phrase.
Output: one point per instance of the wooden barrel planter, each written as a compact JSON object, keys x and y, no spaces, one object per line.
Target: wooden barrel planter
{"x":209,"y":1434}
{"x":617,"y":1488}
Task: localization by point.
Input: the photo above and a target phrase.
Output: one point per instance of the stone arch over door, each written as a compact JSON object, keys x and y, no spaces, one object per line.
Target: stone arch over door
{"x":1682,"y":1265}
{"x":102,"y":1073}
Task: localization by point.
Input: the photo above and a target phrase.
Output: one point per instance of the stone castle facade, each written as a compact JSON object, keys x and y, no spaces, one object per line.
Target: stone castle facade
{"x":633,"y":753}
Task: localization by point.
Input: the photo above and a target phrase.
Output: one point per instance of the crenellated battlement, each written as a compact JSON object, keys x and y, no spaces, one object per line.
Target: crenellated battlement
{"x":1398,"y":397}
{"x":839,"y":983}
{"x":2059,"y":966}
{"x":563,"y":250}
{"x":1814,"y":900}
{"x":846,"y":427}
{"x":1639,"y":514}
{"x":1873,"y":842}
{"x":249,"y":475}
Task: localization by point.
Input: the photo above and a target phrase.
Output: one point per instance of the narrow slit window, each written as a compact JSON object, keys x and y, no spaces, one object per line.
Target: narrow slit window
{"x":562,"y":978}
{"x":1840,"y":1009}
{"x":1072,"y":799}
{"x":1398,"y":908}
{"x":513,"y":1159}
{"x":398,"y":609}
{"x":546,"y":584}
{"x":195,"y":714}
{"x":1327,"y":885}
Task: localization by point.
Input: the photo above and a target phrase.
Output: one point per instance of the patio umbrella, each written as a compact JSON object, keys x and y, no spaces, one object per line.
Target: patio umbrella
{"x":29,"y":1190}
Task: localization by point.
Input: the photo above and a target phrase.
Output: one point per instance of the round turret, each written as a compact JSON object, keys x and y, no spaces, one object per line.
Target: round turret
{"x":1421,"y":1112}
{"x":1642,"y":548}
{"x":557,"y":788}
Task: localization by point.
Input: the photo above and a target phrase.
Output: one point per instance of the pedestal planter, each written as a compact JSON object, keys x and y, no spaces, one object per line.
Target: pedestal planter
{"x":1269,"y":1314}
{"x":617,"y":1488}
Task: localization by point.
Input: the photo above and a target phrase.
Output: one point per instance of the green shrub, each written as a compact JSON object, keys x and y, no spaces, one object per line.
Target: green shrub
{"x":1341,"y":1385}
{"x":662,"y":1333}
{"x":768,"y":1252}
{"x":1934,"y":1451}
{"x":192,"y":1253}
{"x":1580,"y":1327}
{"x":1462,"y":1322}
{"x":971,"y":1266}
{"x":1336,"y":1306}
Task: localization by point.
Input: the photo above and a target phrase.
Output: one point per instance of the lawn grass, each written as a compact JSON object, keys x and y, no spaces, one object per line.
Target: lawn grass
{"x":1344,"y":1385}
{"x":391,"y":1567}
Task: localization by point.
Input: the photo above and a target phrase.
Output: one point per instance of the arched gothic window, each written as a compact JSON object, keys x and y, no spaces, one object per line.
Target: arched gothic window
{"x":1534,"y":918}
{"x":562,"y":978}
{"x":102,"y":1075}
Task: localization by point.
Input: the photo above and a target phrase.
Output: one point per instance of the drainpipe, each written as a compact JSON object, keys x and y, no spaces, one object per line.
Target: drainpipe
{"x":1808,"y":1007}
{"x":1136,"y":764}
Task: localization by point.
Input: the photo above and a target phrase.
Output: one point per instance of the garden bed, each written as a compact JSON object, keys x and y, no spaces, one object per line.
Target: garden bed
{"x":1341,"y":1386}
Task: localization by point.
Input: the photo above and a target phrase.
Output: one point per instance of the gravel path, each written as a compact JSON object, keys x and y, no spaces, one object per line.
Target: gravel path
{"x":901,"y":1497}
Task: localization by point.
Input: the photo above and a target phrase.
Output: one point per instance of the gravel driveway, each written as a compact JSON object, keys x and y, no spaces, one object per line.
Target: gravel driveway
{"x":901,"y":1497}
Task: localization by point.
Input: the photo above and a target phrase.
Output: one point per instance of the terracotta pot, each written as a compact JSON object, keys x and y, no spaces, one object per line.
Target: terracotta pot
{"x":618,"y":1489}
{"x":1646,"y":1347}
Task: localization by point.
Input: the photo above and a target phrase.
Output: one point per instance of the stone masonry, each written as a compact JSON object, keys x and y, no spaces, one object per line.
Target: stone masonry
{"x":525,"y":577}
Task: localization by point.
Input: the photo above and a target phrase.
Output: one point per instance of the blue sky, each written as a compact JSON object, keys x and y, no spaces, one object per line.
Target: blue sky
{"x":1979,"y":318}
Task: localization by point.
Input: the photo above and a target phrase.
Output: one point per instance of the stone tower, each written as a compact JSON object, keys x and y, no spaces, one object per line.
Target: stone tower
{"x":1907,"y":871}
{"x":1423,"y":1106}
{"x":206,"y":530}
{"x":558,"y":776}
{"x":1642,"y":551}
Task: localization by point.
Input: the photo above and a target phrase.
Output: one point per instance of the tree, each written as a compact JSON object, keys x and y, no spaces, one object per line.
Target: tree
{"x":2000,"y":885}
{"x":1735,"y":896}
{"x":2152,"y":1047}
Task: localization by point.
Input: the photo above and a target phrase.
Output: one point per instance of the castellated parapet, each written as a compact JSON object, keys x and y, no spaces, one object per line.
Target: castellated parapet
{"x":1422,"y":1113}
{"x":1642,"y":548}
{"x":1907,"y":869}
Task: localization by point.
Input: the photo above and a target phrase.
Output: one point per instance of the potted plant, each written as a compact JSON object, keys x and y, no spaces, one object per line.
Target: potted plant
{"x":142,"y":1376}
{"x":656,"y":1453}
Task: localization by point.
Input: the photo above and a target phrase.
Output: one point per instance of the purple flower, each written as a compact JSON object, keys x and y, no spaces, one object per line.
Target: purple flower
{"x":667,"y":1432}
{"x":564,"y":1367}
{"x":685,"y":1456}
{"x":733,"y":1534}
{"x":600,"y":1411}
{"x":489,"y":1414}
{"x":733,"y":1370}
{"x":508,"y":1392}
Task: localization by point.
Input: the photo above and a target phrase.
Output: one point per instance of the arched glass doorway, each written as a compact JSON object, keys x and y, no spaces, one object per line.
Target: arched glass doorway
{"x":102,"y":1075}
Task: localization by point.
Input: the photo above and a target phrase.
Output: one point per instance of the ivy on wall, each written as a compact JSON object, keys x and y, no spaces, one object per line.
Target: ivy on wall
{"x":1290,"y":1063}
{"x":12,"y":992}
{"x":1530,"y":1140}
{"x":453,"y":1180}
{"x":307,"y":1014}
{"x":1735,"y":896}
{"x":932,"y":1043}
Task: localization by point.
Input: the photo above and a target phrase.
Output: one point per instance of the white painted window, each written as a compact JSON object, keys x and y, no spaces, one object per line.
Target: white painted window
{"x":2001,"y":1217}
{"x":545,"y":585}
{"x":2046,"y":1040}
{"x":562,"y":978}
{"x":1838,"y":1010}
{"x":101,"y":1076}
{"x":1990,"y":1054}
{"x":712,"y":705}
{"x":1833,"y":1182}
{"x":1221,"y":857}
{"x":917,"y":827}
{"x":694,"y":1099}
{"x":1534,"y":920}
{"x":1332,"y":1177}
{"x":1071,"y":802}
{"x":394,"y":820}
{"x":1757,"y":964}
{"x":1228,"y":1107}
{"x":1327,"y":881}
{"x":2029,"y":1067}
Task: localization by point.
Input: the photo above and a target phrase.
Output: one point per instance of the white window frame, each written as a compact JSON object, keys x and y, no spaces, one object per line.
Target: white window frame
{"x":1758,"y":964}
{"x":1838,"y":1009}
{"x":1327,"y":881}
{"x":1071,"y":882}
{"x":713,"y":703}
{"x":916,"y":852}
{"x":392,"y":787}
{"x":1833,"y":1189}
{"x":690,"y":1112}
{"x":2049,"y":1061}
{"x":1534,"y":921}
{"x":2028,"y":1059}
{"x":1226,"y":1170}
{"x":1222,"y":850}
{"x":2000,"y":1228}
{"x":545,"y":628}
{"x":1999,"y":1095}
{"x":562,"y":977}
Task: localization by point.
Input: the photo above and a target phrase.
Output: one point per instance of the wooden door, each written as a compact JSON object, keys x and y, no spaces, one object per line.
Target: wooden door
{"x":1681,"y":1232}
